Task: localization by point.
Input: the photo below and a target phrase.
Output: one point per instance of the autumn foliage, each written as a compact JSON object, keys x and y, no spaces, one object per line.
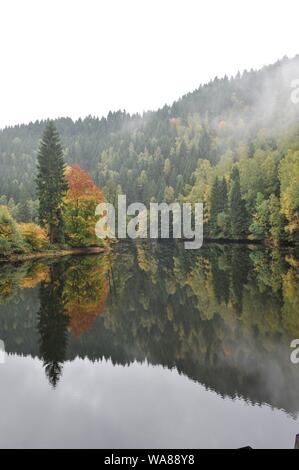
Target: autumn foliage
{"x":81,"y":185}
{"x":35,"y":236}
{"x":40,"y":273}
{"x":20,"y":238}
{"x":85,"y":293}
{"x":83,"y":315}
{"x":81,"y":200}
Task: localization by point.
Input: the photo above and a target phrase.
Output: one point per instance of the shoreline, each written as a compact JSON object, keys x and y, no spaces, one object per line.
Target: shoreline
{"x":52,"y":254}
{"x":98,"y":250}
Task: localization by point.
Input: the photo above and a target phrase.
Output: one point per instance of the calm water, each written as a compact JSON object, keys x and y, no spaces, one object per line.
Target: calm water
{"x":151,"y":346}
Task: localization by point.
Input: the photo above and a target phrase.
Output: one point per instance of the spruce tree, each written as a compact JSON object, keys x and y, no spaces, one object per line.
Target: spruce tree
{"x":238,"y":213}
{"x":219,"y":204}
{"x":51,"y":184}
{"x":24,"y":212}
{"x":224,"y":195}
{"x":215,"y":207}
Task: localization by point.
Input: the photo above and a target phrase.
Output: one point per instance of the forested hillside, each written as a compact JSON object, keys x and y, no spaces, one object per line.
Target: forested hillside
{"x":233,"y":144}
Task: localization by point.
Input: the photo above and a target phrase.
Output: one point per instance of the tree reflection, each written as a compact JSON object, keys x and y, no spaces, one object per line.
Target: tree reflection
{"x":224,"y":315}
{"x":85,"y":292}
{"x":53,"y":322}
{"x":70,"y":300}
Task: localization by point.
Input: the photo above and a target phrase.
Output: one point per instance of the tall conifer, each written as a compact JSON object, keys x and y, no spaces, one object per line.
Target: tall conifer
{"x":51,"y":184}
{"x":238,"y":213}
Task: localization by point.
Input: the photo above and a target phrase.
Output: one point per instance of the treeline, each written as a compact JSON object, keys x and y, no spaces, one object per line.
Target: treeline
{"x":234,"y":135}
{"x":253,"y":196}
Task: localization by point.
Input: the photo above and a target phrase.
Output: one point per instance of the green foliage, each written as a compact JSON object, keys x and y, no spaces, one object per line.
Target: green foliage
{"x":51,"y":183}
{"x":10,"y":238}
{"x":238,"y":213}
{"x":34,"y":236}
{"x":219,"y":208}
{"x":185,"y":146}
{"x":276,"y":221}
{"x":289,"y":179}
{"x":260,"y":224}
{"x":20,"y":238}
{"x":169,"y":194}
{"x":267,"y":220}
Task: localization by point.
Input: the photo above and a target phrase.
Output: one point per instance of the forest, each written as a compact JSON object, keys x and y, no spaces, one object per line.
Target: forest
{"x":232,"y":144}
{"x":67,"y":198}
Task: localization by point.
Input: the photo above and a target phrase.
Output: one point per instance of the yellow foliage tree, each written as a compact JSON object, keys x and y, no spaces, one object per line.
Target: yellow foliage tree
{"x":34,"y":236}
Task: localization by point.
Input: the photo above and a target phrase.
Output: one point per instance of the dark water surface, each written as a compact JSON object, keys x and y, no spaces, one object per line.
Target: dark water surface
{"x":151,"y":346}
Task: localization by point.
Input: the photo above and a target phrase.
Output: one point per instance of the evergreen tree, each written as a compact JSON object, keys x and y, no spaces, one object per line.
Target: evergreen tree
{"x":260,"y":218}
{"x":183,"y":157}
{"x":215,"y":207}
{"x":223,"y":194}
{"x":219,"y":204}
{"x":238,"y":213}
{"x":24,"y":212}
{"x":223,"y":221}
{"x":51,"y":184}
{"x":276,"y":220}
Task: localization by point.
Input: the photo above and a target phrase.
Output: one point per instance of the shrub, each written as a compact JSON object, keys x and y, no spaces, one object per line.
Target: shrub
{"x":10,"y":237}
{"x":34,"y":236}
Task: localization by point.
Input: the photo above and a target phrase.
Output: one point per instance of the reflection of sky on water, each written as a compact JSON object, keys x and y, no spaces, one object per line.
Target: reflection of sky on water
{"x":101,"y":405}
{"x":200,"y":343}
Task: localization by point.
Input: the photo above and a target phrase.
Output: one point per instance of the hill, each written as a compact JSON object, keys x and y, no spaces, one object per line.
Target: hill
{"x":177,"y":152}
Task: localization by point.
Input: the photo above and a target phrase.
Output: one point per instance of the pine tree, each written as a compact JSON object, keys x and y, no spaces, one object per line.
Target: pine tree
{"x":215,"y":207}
{"x":276,"y":220}
{"x":182,"y":158}
{"x":219,"y":204}
{"x":223,"y":194}
{"x":51,"y":184}
{"x":238,"y":213}
{"x":24,"y":212}
{"x":259,"y":227}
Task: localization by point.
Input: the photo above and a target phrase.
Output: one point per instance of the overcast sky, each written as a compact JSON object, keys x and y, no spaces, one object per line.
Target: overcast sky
{"x":80,"y":57}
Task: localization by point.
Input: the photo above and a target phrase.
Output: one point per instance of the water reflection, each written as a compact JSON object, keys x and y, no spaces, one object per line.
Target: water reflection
{"x":53,"y":322}
{"x":223,"y":316}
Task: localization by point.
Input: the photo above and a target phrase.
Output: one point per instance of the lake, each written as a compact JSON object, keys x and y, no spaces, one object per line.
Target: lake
{"x":151,"y":346}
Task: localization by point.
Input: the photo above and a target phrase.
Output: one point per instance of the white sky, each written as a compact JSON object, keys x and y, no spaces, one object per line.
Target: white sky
{"x":80,"y":57}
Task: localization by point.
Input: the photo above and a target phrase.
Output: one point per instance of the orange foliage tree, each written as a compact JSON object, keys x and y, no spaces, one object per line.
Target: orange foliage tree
{"x":81,"y":200}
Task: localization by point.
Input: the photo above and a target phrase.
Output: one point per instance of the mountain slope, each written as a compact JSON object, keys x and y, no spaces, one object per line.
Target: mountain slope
{"x":157,"y":156}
